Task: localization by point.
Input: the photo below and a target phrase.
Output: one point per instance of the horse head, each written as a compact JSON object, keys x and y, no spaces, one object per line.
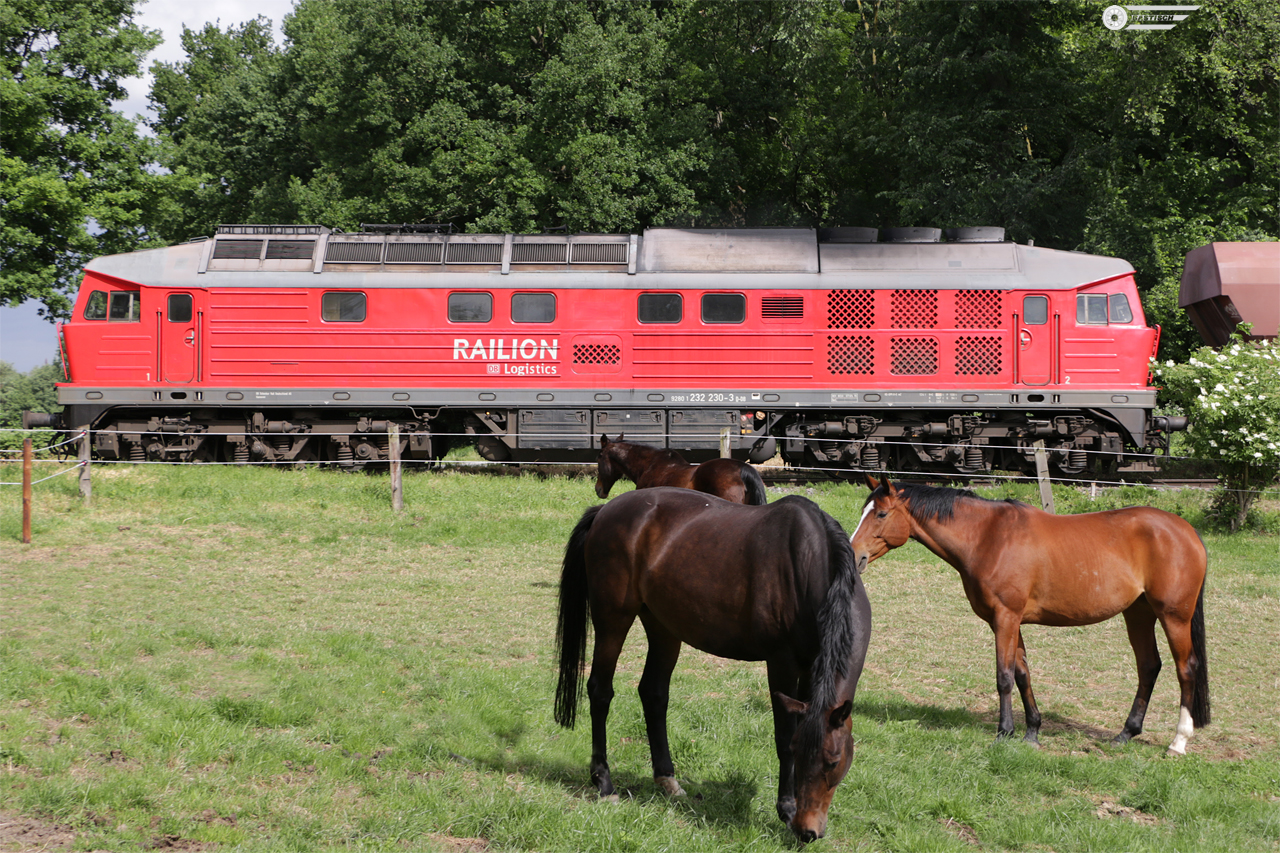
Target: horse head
{"x":885,"y":523}
{"x":606,"y":471}
{"x":823,"y":750}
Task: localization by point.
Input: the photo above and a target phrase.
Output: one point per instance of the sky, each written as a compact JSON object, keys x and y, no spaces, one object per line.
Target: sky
{"x":26,"y":341}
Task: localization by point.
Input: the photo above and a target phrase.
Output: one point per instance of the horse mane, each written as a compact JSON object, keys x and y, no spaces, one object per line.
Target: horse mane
{"x":939,"y":502}
{"x":837,"y":631}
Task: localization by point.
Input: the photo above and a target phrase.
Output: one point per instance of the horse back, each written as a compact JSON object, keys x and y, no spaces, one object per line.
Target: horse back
{"x":733,"y":580}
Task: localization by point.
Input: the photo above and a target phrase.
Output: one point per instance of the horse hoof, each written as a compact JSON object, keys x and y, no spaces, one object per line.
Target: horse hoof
{"x":1032,"y":740}
{"x":669,"y":786}
{"x":1120,"y":739}
{"x":610,"y":798}
{"x":1175,"y":749}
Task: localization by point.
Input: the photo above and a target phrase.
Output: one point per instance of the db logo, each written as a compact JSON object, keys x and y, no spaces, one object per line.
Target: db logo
{"x":493,"y":368}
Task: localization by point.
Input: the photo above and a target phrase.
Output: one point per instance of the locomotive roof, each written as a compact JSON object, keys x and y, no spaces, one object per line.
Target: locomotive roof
{"x":674,"y":258}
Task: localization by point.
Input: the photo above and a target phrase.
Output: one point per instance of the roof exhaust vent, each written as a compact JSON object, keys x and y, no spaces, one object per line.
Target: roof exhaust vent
{"x":976,"y":234}
{"x":911,"y":235}
{"x":842,"y":234}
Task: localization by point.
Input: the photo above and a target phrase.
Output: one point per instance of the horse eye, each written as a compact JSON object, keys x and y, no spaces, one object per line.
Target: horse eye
{"x":882,"y":515}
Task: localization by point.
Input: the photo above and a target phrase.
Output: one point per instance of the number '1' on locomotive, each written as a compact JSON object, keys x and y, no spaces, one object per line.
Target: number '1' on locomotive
{"x":836,"y":347}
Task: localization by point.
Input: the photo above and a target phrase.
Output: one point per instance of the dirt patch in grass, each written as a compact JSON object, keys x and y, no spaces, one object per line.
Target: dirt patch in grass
{"x":1111,"y":809}
{"x":460,"y":845}
{"x":25,"y":833}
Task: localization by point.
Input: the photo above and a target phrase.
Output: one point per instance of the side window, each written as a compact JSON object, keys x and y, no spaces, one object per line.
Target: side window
{"x":1035,"y":310}
{"x":470,"y":307}
{"x":179,"y":308}
{"x":660,"y":308}
{"x":125,"y":307}
{"x":1118,"y":308}
{"x":339,"y":307}
{"x":724,"y":308}
{"x":96,"y":307}
{"x":1091,"y":309}
{"x":533,"y":308}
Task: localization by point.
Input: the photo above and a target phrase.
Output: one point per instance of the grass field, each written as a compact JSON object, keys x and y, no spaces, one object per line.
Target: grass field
{"x":262,"y":660}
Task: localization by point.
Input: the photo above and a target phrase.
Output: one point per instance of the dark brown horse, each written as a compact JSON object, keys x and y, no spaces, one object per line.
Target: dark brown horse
{"x":773,"y":583}
{"x":1020,"y":565}
{"x":651,"y":466}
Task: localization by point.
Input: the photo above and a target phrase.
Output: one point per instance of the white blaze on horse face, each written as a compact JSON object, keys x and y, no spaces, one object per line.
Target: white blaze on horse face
{"x":867,"y":511}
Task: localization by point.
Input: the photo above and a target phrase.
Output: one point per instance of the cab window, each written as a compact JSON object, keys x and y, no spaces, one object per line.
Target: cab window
{"x":1035,"y":310}
{"x":119,"y":306}
{"x":1099,"y":309}
{"x":470,"y":307}
{"x":179,"y":307}
{"x":340,"y":307}
{"x":724,"y":308}
{"x":660,"y":308}
{"x":533,"y":308}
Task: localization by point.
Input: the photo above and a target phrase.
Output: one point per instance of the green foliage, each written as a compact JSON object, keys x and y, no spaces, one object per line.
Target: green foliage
{"x":73,"y":172}
{"x":1232,"y":397}
{"x":35,"y":391}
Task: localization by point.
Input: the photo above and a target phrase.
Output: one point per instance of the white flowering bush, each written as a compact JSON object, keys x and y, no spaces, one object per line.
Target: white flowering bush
{"x":1232,"y":399}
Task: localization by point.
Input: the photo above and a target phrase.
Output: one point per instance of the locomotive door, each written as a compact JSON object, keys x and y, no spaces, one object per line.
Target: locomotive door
{"x":180,"y":319}
{"x":1033,"y":348}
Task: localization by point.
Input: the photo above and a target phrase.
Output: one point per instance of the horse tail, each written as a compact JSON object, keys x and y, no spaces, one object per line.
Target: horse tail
{"x":1200,"y":704}
{"x":754,"y":484}
{"x":571,"y":624}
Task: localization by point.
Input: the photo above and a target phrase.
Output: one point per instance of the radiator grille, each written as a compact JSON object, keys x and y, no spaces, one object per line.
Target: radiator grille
{"x":596,"y":354}
{"x":239,"y":250}
{"x":914,"y":309}
{"x":778,"y":307}
{"x":850,"y":354}
{"x":290,"y":250}
{"x":978,"y":355}
{"x":599,"y":253}
{"x":851,"y":309}
{"x":414,"y":253}
{"x":353,"y":253}
{"x":978,"y":309}
{"x":474,"y":253}
{"x":539,"y":253}
{"x":913,"y":356}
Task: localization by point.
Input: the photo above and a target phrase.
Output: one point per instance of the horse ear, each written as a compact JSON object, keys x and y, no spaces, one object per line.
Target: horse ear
{"x":793,"y":706}
{"x":888,"y":487}
{"x":604,"y":441}
{"x":871,"y":482}
{"x":840,"y":714}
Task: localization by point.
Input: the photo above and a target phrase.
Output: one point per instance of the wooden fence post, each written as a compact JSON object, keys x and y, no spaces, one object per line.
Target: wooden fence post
{"x":26,"y":491}
{"x":724,"y":443}
{"x":393,"y":450}
{"x":86,"y":485}
{"x":1042,"y":474}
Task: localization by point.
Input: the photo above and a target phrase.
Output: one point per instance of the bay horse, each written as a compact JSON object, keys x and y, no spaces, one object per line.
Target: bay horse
{"x":1021,"y":565}
{"x":652,"y":466}
{"x":773,"y":583}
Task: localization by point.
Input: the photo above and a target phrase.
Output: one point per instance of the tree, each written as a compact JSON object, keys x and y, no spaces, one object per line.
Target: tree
{"x":73,"y":173}
{"x":21,"y":392}
{"x":1232,"y":397}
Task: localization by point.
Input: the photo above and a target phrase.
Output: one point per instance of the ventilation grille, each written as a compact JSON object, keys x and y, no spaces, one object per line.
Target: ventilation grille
{"x":353,"y":253}
{"x":290,"y":250}
{"x":914,"y":309}
{"x":474,"y":253}
{"x":851,"y":309}
{"x":238,"y":250}
{"x":850,"y":354}
{"x":978,"y":355}
{"x":599,"y":253}
{"x":778,"y":307}
{"x":596,"y":353}
{"x":913,"y":356}
{"x":539,"y":253}
{"x":414,"y":253}
{"x":979,"y":309}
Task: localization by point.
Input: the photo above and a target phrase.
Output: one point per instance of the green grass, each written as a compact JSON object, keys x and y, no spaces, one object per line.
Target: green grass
{"x":274,"y":660}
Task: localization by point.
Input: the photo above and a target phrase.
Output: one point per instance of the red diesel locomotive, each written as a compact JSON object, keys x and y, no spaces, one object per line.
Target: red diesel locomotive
{"x":839,"y":347}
